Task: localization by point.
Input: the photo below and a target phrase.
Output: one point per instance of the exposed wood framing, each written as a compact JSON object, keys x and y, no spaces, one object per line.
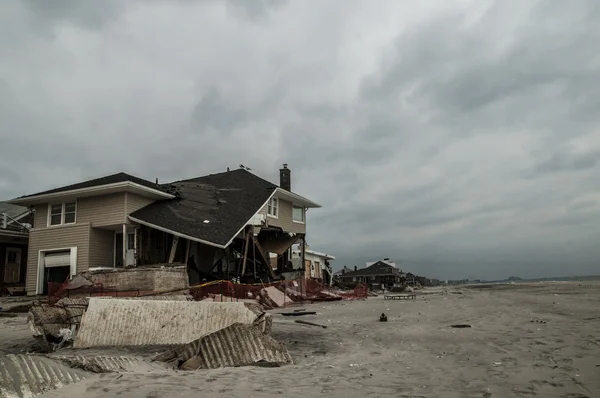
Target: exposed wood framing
{"x":173,"y":249}
{"x":245,"y":257}
{"x":264,"y":257}
{"x":187,"y":251}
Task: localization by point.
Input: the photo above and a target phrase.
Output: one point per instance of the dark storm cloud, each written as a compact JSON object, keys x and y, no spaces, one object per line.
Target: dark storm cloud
{"x":459,"y":138}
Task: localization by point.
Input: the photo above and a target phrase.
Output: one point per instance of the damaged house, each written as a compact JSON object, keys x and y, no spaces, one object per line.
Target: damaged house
{"x":316,"y":264}
{"x":232,"y":225}
{"x":15,"y":222}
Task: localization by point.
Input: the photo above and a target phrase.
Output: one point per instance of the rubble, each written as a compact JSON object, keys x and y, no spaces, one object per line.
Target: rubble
{"x":236,"y":345}
{"x":274,"y":297}
{"x":119,"y":322}
{"x":48,"y":322}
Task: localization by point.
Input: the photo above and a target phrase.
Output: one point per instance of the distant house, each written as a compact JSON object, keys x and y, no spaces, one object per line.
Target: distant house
{"x":15,"y":222}
{"x":377,"y":274}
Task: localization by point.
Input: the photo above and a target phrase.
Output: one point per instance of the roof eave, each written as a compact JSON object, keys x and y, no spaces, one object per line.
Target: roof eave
{"x":90,"y":191}
{"x":181,"y":235}
{"x":297,"y":199}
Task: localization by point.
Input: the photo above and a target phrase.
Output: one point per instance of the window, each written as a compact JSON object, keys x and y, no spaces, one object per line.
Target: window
{"x":298,"y":214}
{"x":56,"y":214}
{"x":62,"y":213}
{"x":272,"y":207}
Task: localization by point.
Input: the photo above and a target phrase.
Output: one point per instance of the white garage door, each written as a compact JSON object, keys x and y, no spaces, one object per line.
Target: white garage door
{"x":57,"y":259}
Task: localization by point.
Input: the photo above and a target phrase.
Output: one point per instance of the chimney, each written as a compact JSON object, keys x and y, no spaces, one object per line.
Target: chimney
{"x":285,"y":178}
{"x":355,"y":268}
{"x":343,"y":270}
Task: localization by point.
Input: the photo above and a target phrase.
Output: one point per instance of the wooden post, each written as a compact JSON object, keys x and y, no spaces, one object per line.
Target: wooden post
{"x":245,"y":254}
{"x":135,"y":247}
{"x":173,"y":249}
{"x":302,"y":253}
{"x":124,"y":245}
{"x":254,"y":259}
{"x":187,"y":251}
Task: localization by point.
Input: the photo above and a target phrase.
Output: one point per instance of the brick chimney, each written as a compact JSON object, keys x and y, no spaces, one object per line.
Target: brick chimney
{"x":285,"y":178}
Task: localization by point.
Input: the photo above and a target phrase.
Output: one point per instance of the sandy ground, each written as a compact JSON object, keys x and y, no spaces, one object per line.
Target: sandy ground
{"x":415,"y":354}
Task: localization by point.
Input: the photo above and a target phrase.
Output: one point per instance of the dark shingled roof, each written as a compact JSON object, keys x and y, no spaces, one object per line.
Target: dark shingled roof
{"x":111,"y":179}
{"x":226,"y":200}
{"x":379,"y":268}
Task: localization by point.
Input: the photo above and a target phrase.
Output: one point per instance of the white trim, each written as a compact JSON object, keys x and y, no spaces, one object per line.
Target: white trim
{"x":62,"y":214}
{"x":95,"y":189}
{"x":295,"y":198}
{"x":39,"y":287}
{"x":178,"y":234}
{"x":276,"y":215}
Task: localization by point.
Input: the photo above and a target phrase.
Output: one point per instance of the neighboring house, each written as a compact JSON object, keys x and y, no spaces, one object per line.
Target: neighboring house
{"x":316,"y":264}
{"x":15,"y":222}
{"x":223,"y":225}
{"x":344,"y":270}
{"x":384,"y":261}
{"x":377,"y":274}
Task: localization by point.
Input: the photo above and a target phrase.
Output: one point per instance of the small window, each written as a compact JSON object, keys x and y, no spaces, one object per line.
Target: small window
{"x":56,"y":214}
{"x":298,"y":214}
{"x":62,"y":213}
{"x":272,"y":207}
{"x":70,"y":212}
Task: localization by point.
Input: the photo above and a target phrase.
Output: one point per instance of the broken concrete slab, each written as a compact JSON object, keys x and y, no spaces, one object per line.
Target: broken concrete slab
{"x":276,"y":297}
{"x":236,"y":345}
{"x":118,"y":322}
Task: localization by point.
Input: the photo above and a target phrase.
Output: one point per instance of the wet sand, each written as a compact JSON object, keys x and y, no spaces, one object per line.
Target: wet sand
{"x":526,"y":340}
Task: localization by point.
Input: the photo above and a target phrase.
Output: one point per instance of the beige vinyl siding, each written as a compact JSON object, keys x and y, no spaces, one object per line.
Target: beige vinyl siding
{"x":135,"y":202}
{"x":56,"y":238}
{"x":102,"y":248}
{"x":284,"y":218}
{"x":102,"y":210}
{"x":41,"y":216}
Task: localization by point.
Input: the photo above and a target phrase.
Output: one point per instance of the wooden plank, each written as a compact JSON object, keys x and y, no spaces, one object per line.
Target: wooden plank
{"x":245,"y":258}
{"x":264,"y":257}
{"x":173,"y":249}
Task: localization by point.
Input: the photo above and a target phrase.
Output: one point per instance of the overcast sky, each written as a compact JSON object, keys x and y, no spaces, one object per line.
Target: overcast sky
{"x":459,"y":138}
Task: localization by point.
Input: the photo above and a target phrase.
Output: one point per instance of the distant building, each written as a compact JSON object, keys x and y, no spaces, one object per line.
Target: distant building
{"x":377,"y":274}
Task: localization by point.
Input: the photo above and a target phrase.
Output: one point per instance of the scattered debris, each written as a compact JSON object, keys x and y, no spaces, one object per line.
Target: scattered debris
{"x":383,"y":318}
{"x":310,"y":323}
{"x":461,"y":326}
{"x":537,"y":321}
{"x":298,"y":313}
{"x":497,"y":363}
{"x":236,"y":345}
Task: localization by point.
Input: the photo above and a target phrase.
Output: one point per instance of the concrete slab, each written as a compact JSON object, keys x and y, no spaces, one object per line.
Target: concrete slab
{"x":118,"y":322}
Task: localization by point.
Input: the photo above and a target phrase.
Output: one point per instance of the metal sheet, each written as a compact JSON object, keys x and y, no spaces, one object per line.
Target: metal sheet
{"x":118,"y":322}
{"x":27,"y":376}
{"x":236,"y":345}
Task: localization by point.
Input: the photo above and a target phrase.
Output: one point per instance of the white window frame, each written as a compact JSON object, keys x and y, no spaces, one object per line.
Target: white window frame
{"x":303,"y":214}
{"x":273,"y":204}
{"x":62,"y":214}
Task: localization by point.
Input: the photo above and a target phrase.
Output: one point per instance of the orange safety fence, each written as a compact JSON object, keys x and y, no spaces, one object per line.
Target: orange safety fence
{"x":296,"y":291}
